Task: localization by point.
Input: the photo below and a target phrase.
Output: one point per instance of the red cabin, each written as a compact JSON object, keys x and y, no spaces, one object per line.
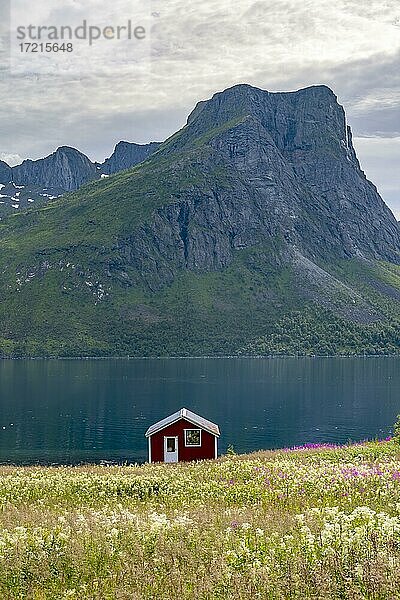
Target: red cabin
{"x":182,"y":436}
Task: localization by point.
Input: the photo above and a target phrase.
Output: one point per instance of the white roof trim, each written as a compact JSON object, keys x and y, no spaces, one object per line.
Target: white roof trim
{"x":188,"y":415}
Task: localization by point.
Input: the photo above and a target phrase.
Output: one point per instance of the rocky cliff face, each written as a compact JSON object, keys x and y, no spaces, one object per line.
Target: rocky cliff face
{"x":66,"y":168}
{"x":269,"y":165}
{"x":5,"y":173}
{"x":127,"y":155}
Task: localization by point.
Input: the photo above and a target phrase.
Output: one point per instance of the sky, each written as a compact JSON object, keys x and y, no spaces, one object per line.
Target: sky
{"x":143,"y":91}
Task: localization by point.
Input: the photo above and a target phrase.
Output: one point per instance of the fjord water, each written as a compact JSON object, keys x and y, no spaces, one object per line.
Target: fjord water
{"x":71,"y":411}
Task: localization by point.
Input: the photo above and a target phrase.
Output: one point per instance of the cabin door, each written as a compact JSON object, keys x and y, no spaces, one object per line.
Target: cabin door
{"x":171,"y":449}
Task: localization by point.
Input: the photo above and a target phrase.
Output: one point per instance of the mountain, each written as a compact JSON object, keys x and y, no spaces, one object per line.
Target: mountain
{"x":127,"y":155}
{"x":252,"y":230}
{"x":65,"y":170}
{"x":38,"y":181}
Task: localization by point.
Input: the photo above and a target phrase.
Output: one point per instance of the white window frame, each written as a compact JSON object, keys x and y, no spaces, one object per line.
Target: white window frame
{"x":192,"y":429}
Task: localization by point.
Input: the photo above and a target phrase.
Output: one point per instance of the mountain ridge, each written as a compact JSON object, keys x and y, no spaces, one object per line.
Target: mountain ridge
{"x":64,"y":170}
{"x":127,"y":155}
{"x":251,"y":230}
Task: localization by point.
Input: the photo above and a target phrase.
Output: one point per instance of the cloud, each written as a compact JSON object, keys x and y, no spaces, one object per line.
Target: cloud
{"x":11,"y":159}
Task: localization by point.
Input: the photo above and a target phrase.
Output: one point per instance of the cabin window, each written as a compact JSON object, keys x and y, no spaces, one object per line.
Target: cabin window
{"x":192,"y":437}
{"x":171,"y":444}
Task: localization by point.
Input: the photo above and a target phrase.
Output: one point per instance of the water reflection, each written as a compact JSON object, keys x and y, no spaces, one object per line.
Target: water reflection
{"x":93,"y":410}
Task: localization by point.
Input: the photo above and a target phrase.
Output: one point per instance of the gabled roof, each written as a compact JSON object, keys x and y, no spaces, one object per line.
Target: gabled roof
{"x":188,"y":415}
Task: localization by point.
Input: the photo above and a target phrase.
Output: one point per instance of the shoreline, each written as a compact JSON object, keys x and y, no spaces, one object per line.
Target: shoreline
{"x":205,"y":357}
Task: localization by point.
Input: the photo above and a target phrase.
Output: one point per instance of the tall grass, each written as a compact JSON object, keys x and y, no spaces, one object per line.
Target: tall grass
{"x":305,"y":523}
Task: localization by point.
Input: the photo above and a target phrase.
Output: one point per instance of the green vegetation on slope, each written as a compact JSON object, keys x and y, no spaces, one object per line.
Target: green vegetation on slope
{"x":98,"y":212}
{"x":197,"y":314}
{"x":315,"y":331}
{"x":252,"y":307}
{"x":303,"y":524}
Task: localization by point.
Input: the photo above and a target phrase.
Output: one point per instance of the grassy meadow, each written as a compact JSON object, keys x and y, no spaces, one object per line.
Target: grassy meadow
{"x":318,"y":522}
